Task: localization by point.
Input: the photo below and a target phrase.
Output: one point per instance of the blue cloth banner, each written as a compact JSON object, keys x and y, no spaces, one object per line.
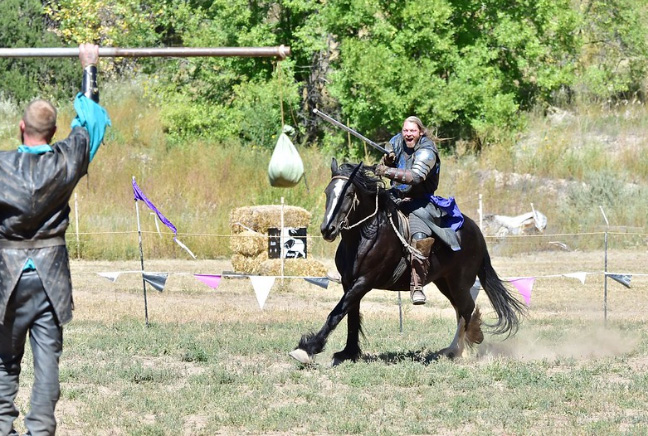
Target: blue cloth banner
{"x":454,"y":218}
{"x":94,"y":118}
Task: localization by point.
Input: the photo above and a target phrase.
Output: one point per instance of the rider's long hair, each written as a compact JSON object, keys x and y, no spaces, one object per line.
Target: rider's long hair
{"x":418,"y":122}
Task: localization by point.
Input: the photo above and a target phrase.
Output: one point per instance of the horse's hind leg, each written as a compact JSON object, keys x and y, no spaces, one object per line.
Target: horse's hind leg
{"x":455,"y":349}
{"x":468,"y":318}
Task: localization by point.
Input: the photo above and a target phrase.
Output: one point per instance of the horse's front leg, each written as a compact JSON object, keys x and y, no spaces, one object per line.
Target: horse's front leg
{"x":352,"y":349}
{"x":314,"y":343}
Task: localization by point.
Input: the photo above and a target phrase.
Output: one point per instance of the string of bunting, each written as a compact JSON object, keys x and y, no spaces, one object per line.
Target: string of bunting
{"x":263,"y":284}
{"x":260,"y":284}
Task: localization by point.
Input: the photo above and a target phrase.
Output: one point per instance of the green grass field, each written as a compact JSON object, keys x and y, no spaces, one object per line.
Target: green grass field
{"x":212,"y":362}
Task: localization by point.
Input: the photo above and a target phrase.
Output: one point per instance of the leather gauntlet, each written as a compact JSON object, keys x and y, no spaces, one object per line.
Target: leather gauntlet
{"x":399,"y":175}
{"x":89,"y":86}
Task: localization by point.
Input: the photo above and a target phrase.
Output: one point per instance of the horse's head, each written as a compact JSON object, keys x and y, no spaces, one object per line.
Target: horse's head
{"x":348,"y":186}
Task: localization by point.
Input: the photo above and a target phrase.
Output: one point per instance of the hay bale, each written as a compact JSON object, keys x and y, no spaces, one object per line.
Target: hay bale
{"x":248,"y":264}
{"x":249,"y":243}
{"x":293,"y":267}
{"x":260,"y":218}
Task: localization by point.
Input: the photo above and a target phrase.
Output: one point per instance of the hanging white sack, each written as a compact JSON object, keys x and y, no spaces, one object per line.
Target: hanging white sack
{"x":286,"y":167}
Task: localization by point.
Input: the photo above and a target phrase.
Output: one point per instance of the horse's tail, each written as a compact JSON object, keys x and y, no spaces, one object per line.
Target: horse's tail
{"x":509,"y":310}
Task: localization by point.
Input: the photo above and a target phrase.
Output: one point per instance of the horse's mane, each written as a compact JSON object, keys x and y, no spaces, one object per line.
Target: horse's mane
{"x":366,"y":181}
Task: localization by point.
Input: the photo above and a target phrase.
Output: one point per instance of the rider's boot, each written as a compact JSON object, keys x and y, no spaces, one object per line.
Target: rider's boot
{"x":420,"y":269}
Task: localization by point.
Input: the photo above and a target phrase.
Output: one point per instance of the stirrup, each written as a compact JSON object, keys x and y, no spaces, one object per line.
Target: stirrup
{"x":417,"y":296}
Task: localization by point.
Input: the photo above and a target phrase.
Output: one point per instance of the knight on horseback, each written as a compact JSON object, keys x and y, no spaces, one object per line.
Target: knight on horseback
{"x":413,"y":167}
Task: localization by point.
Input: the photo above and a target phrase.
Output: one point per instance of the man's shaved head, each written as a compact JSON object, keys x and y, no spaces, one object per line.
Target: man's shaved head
{"x":40,"y":119}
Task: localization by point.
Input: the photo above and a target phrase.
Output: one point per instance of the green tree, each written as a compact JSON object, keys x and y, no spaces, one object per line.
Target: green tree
{"x":614,"y":58}
{"x":228,"y":97}
{"x":467,"y":67}
{"x":463,"y":66}
{"x":111,"y":23}
{"x":22,"y":24}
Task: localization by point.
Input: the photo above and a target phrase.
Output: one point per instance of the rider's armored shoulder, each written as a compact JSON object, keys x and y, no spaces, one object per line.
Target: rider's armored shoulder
{"x":426,"y":142}
{"x":397,"y":144}
{"x":425,"y":158}
{"x":426,"y":154}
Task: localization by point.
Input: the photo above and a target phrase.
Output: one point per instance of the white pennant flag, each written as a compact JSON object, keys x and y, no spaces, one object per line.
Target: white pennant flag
{"x":577,"y":275}
{"x":112,"y":276}
{"x":262,"y":285}
{"x":184,"y":247}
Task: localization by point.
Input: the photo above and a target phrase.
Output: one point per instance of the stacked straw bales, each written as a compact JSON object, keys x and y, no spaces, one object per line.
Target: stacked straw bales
{"x":249,"y":241}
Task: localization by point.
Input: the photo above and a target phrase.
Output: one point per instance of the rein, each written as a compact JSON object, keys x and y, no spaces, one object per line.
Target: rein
{"x":344,"y":223}
{"x":353,"y":206}
{"x":413,"y":251}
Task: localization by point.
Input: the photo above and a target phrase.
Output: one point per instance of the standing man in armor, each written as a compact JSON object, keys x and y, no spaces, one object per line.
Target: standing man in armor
{"x":36,"y":182}
{"x":413,"y":167}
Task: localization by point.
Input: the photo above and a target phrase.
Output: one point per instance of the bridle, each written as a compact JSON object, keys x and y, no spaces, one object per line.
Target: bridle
{"x":344,"y":222}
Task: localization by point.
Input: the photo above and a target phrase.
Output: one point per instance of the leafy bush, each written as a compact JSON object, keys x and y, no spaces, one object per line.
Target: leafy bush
{"x":22,"y":24}
{"x":606,"y":190}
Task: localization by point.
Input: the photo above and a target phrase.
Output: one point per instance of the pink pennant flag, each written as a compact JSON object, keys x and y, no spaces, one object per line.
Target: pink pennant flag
{"x":210,"y":280}
{"x":524,"y":286}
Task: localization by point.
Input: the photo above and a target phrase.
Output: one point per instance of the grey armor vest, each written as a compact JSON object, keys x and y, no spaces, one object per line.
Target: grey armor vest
{"x":34,"y":215}
{"x":423,"y":161}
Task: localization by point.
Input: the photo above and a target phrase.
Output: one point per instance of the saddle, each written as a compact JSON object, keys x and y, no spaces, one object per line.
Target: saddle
{"x":402,"y":229}
{"x":443,"y":218}
{"x":436,"y":219}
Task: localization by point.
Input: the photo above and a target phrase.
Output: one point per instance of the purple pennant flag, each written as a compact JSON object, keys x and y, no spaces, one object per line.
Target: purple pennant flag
{"x":139,"y":195}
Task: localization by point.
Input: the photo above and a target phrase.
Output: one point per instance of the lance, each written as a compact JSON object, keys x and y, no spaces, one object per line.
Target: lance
{"x":54,"y":52}
{"x":350,"y":130}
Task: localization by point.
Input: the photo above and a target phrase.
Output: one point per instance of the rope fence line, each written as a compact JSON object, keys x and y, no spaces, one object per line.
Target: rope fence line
{"x":219,"y":235}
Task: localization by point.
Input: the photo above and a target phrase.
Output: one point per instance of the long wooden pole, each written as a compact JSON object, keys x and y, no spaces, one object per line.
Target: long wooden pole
{"x":54,"y":52}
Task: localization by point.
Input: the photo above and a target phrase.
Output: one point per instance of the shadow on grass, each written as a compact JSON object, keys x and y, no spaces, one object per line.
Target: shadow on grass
{"x":395,"y":357}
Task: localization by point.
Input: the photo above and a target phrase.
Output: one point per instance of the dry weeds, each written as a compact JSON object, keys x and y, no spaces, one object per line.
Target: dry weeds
{"x":555,"y":299}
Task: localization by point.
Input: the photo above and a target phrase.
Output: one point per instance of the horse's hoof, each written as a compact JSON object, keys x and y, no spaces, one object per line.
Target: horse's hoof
{"x":335,"y":362}
{"x":301,"y":356}
{"x":450,"y":353}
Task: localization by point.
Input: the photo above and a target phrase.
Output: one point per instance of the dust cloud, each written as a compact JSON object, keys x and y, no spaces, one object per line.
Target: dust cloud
{"x":586,"y":343}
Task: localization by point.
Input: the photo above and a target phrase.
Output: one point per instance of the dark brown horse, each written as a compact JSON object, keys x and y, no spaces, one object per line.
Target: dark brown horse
{"x":372,"y":255}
